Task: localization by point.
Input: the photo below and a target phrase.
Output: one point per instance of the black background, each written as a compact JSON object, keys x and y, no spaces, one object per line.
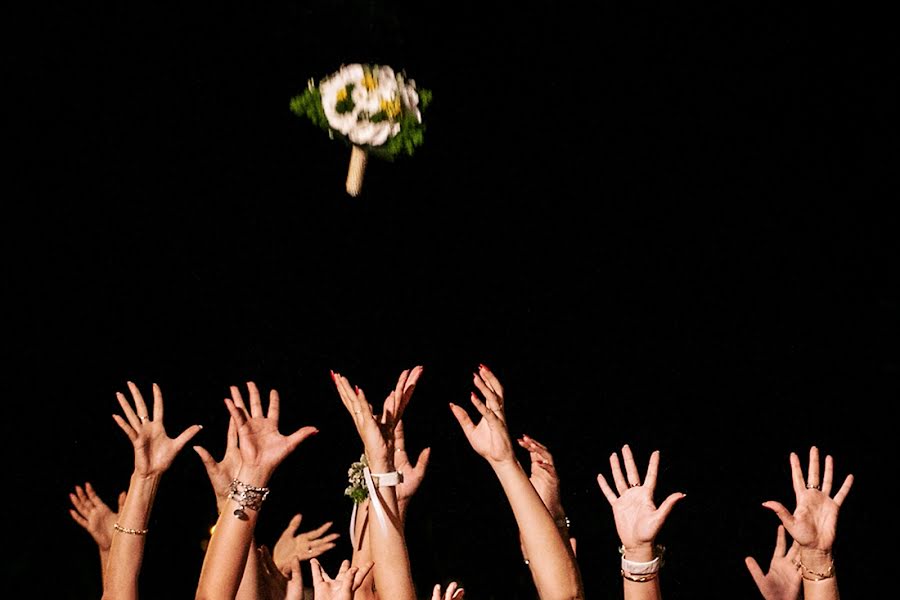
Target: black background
{"x":660,"y":226}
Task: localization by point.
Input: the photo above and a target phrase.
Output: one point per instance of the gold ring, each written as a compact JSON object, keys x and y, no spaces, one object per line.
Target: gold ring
{"x":635,"y":485}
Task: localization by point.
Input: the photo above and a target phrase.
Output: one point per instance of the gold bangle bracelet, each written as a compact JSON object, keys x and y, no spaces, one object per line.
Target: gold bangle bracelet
{"x":639,"y":578}
{"x":121,"y":529}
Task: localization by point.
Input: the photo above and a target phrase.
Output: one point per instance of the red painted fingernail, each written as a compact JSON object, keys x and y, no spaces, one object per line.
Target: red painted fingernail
{"x":356,"y":387}
{"x":483,"y":366}
{"x":332,"y":374}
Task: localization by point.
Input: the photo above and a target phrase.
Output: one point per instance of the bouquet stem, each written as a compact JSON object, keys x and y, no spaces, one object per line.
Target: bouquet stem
{"x":358,"y":158}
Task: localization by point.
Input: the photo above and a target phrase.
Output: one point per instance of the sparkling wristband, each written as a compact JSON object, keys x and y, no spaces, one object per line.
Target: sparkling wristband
{"x":247,"y":496}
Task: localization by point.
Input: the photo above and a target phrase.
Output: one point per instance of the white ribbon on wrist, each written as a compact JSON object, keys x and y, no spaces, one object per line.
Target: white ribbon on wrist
{"x":383,"y":480}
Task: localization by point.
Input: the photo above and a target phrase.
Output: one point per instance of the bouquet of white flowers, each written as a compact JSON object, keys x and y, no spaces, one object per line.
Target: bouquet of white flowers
{"x":372,"y":108}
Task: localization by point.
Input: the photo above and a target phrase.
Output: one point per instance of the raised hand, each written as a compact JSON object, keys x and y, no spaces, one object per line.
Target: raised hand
{"x":783,"y":580}
{"x":453,"y":592}
{"x":154,"y":450}
{"x":544,"y":477}
{"x":813,"y":524}
{"x":412,"y":474}
{"x":638,"y":520}
{"x":221,"y":473}
{"x":304,"y":546}
{"x":490,"y":437}
{"x":94,"y":515}
{"x":262,"y":447}
{"x":347,"y":581}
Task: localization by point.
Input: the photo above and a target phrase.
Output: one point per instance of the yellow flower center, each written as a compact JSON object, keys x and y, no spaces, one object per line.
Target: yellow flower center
{"x":369,"y":81}
{"x":391,"y":107}
{"x":342,"y":94}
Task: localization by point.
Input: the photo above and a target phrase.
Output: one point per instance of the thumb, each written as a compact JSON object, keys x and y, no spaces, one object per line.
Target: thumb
{"x":208,"y":461}
{"x":668,"y":504}
{"x":755,"y":571}
{"x":787,"y":519}
{"x":422,"y":461}
{"x":186,"y":436}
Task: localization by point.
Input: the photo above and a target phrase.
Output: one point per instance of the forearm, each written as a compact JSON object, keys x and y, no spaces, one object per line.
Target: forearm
{"x":127,"y":550}
{"x":362,"y":552}
{"x":552,"y":566}
{"x":226,"y":555}
{"x":819,"y":579}
{"x":393,"y":575}
{"x":104,"y":564}
{"x":250,"y":588}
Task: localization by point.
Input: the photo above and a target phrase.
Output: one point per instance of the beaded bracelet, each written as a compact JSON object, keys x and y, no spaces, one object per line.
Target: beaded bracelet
{"x":828,"y":574}
{"x":121,"y":529}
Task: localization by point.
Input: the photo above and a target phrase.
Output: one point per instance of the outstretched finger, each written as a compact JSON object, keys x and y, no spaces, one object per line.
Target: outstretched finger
{"x":652,"y":471}
{"x":78,"y":518}
{"x":780,"y":543}
{"x":231,"y":439}
{"x":493,"y":401}
{"x":92,"y":495}
{"x":812,"y":478}
{"x":491,"y":380}
{"x":317,"y":574}
{"x":158,"y":408}
{"x":139,"y":404}
{"x":618,"y":478}
{"x":209,"y":463}
{"x":122,"y":496}
{"x":274,"y":406}
{"x":787,"y":519}
{"x":797,"y":475}
{"x":631,"y":471}
{"x":493,"y":419}
{"x":186,"y":436}
{"x":827,"y":480}
{"x":238,"y":413}
{"x":436,"y":592}
{"x":668,"y":504}
{"x":422,"y":462}
{"x":131,"y":433}
{"x":298,"y":436}
{"x":792,"y":553}
{"x":237,"y":398}
{"x":292,"y":526}
{"x":451,"y":589}
{"x":845,"y":489}
{"x":462,"y":417}
{"x":607,"y":491}
{"x":756,"y":572}
{"x":132,"y":417}
{"x":318,"y":531}
{"x":256,"y":409}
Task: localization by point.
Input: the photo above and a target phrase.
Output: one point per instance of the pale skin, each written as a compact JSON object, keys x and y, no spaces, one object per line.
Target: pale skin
{"x":782,"y":581}
{"x":638,"y":520}
{"x":95,"y":517}
{"x":392,"y":575}
{"x":262,"y":448}
{"x":545,"y":480}
{"x":813,"y":524}
{"x":342,"y":586}
{"x":553,"y":566}
{"x":154,"y":452}
{"x":453,"y":592}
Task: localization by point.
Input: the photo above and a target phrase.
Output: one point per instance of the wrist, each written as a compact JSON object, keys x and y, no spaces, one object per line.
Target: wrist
{"x":638,"y":551}
{"x":381,"y":464}
{"x":506,"y":466}
{"x":254,"y":475}
{"x":816,"y":560}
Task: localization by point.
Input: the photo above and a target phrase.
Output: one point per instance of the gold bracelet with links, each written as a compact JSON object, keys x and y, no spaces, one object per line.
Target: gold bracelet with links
{"x":121,"y":529}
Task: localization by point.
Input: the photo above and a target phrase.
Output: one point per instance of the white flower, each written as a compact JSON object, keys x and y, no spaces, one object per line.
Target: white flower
{"x":375,"y":91}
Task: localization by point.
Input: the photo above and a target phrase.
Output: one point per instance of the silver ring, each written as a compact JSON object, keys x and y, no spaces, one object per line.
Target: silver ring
{"x":635,"y":485}
{"x":810,"y":486}
{"x":144,"y":418}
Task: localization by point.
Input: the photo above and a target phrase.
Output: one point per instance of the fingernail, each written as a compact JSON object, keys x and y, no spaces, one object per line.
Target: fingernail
{"x":332,"y":374}
{"x":483,"y":366}
{"x":200,"y":426}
